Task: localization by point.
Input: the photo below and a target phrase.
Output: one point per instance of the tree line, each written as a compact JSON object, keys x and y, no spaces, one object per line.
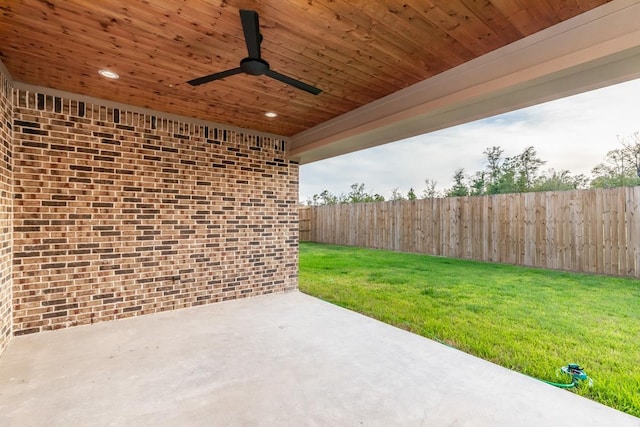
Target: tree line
{"x":517,"y":174}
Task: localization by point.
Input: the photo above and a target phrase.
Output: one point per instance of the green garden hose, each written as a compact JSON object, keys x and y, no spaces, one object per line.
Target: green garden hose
{"x":577,"y":375}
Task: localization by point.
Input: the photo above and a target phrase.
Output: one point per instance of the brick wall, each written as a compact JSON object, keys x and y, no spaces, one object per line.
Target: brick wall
{"x":118,"y":213}
{"x":5,"y":212}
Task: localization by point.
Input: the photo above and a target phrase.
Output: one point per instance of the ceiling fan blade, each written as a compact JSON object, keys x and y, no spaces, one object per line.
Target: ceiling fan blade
{"x":214,"y":76}
{"x":251,"y":28}
{"x":293,"y":82}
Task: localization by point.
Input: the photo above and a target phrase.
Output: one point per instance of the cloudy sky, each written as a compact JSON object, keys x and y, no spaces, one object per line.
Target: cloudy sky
{"x":573,"y":133}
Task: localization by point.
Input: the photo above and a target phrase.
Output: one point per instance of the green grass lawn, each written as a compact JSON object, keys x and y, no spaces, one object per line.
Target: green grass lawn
{"x":529,"y":320}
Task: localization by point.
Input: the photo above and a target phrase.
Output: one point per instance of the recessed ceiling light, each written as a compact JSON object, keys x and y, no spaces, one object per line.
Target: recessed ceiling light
{"x":109,"y":74}
{"x":271,"y":114}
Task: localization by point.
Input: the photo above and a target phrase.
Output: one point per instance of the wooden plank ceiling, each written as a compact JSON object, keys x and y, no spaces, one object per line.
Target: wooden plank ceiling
{"x":355,"y":51}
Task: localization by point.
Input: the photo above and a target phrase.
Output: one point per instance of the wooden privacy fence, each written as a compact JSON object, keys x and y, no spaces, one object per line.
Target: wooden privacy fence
{"x":596,"y":231}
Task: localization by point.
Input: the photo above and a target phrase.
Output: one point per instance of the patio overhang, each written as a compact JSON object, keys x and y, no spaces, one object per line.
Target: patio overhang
{"x":592,"y":50}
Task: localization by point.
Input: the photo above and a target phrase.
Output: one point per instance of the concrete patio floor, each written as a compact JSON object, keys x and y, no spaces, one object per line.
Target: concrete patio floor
{"x":278,"y":360}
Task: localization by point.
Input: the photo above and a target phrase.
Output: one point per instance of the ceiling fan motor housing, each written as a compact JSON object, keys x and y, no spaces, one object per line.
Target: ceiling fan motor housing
{"x":254,"y":66}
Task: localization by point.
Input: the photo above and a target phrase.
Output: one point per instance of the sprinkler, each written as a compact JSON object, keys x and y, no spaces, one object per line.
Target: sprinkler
{"x":577,"y":375}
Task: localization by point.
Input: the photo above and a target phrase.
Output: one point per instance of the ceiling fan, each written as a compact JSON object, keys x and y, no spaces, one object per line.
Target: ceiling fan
{"x":254,"y":64}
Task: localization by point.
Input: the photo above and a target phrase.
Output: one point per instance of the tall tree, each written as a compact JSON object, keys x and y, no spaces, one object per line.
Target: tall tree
{"x":493,"y":156}
{"x":396,"y":194}
{"x":631,"y":150}
{"x":430,"y":191}
{"x":621,"y":166}
{"x":459,"y":186}
{"x":357,"y":193}
{"x":615,"y":171}
{"x":478,"y":183}
{"x":526,"y":166}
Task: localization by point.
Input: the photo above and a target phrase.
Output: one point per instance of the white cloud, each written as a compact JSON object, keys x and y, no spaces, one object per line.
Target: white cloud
{"x":573,"y":133}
